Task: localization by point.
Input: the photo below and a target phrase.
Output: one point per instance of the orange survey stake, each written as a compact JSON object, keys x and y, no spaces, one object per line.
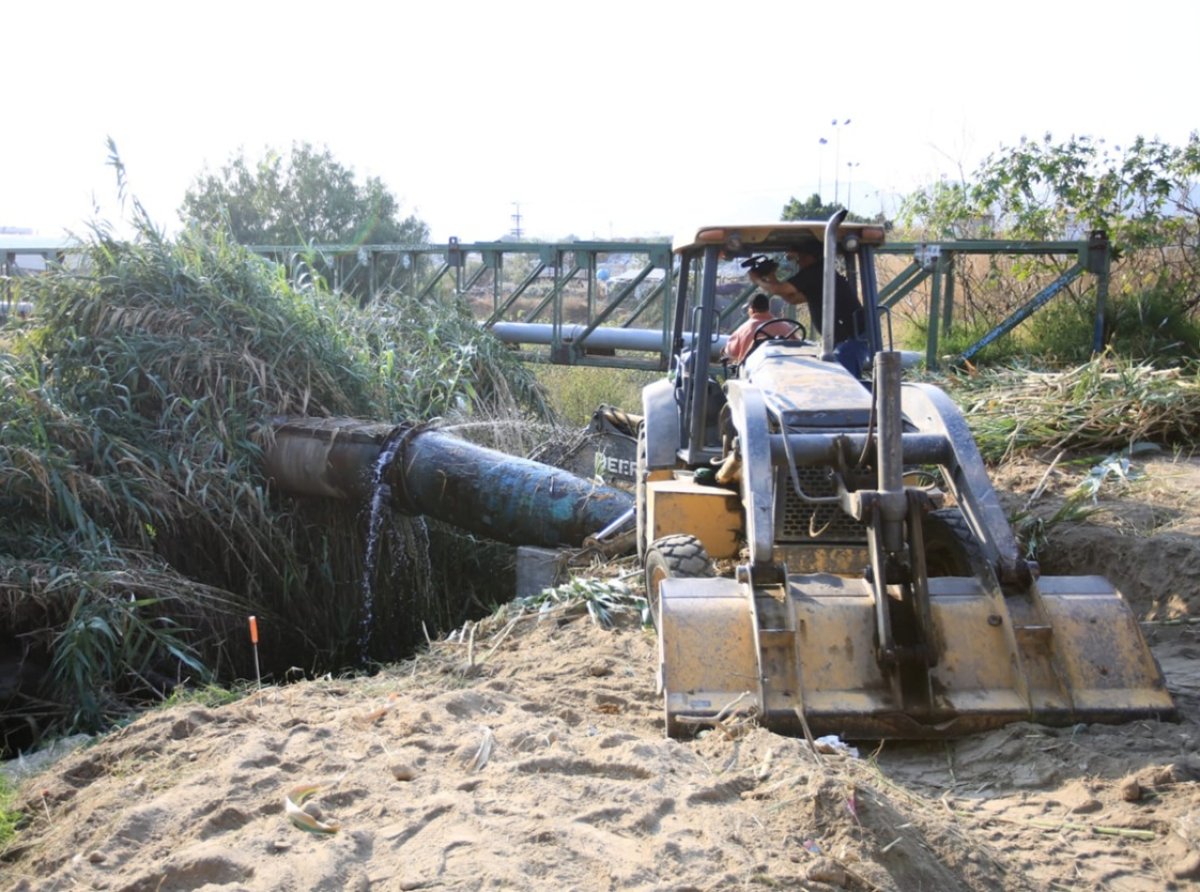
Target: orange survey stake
{"x":253,"y":630}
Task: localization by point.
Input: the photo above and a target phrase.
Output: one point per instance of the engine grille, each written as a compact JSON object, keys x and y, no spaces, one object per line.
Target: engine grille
{"x":800,"y":522}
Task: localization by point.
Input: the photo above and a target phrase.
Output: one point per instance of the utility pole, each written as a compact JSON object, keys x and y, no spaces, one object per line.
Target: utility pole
{"x":822,"y":142}
{"x":516,"y":218}
{"x":837,"y":152}
{"x":850,"y":179}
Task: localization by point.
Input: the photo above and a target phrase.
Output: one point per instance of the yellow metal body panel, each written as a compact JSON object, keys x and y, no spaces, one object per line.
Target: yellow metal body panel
{"x":710,"y":513}
{"x":1070,"y":651}
{"x":1099,"y":647}
{"x":706,"y":647}
{"x":847,"y":560}
{"x":836,"y":678}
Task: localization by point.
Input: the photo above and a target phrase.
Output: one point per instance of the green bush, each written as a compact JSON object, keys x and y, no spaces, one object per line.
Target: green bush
{"x":575,"y":392}
{"x":1153,"y":326}
{"x":1142,"y":194}
{"x":960,"y":337}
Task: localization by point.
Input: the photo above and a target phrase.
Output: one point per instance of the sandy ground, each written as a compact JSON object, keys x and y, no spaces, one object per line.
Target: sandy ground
{"x":531,"y":755}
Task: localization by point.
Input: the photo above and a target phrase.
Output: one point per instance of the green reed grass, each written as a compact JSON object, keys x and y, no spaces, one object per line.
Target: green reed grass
{"x":140,"y":530}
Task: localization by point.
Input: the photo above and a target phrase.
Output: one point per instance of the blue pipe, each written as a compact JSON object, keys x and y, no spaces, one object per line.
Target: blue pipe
{"x":480,"y":490}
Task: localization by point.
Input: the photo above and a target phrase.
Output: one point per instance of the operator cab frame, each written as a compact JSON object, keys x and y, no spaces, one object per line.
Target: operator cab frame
{"x":699,"y":314}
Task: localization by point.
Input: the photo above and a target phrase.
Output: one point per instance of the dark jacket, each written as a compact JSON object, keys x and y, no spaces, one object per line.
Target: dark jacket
{"x":810,"y":282}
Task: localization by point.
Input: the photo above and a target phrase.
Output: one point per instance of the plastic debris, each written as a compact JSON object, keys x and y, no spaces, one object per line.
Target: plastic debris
{"x":294,"y":806}
{"x":831,"y":745}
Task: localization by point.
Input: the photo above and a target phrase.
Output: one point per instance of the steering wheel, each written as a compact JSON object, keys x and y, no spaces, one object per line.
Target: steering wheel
{"x":761,"y":334}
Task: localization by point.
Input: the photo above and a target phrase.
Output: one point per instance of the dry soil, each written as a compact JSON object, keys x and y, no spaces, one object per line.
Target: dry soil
{"x":531,"y":755}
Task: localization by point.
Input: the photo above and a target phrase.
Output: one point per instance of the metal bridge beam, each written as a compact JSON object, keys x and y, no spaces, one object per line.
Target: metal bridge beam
{"x":937,"y":259}
{"x":422,"y":269}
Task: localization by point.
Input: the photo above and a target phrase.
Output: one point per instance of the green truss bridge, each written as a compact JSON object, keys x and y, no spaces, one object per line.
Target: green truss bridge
{"x":607,"y":303}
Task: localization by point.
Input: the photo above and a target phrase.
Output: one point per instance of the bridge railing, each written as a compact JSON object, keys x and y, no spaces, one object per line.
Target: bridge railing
{"x":935,"y":262}
{"x":608,"y":303}
{"x":20,"y":255}
{"x":572,"y":303}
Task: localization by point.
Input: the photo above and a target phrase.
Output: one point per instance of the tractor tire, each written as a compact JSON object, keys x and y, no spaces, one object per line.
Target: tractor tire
{"x":950,"y":548}
{"x":674,"y":557}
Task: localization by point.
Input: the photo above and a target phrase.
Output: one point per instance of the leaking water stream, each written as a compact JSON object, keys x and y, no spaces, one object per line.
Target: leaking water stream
{"x":381,"y":509}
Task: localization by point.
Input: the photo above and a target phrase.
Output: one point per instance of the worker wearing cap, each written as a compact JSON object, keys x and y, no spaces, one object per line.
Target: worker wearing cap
{"x":742,"y":338}
{"x":807,"y":286}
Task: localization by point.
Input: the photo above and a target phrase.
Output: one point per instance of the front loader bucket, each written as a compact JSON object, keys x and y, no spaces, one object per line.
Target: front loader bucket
{"x":1068,"y":651}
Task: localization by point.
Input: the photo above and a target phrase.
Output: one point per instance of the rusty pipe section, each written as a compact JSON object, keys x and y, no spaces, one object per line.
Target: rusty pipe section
{"x":480,"y":490}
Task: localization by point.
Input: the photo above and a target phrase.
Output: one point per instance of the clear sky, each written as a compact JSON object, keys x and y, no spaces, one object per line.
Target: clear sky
{"x":607,"y":119}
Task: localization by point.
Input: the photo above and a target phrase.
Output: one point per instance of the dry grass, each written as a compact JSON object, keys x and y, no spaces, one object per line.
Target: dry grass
{"x":1108,"y":404}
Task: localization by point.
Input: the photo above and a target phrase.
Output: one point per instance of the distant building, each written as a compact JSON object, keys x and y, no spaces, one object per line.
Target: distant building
{"x":23,"y":252}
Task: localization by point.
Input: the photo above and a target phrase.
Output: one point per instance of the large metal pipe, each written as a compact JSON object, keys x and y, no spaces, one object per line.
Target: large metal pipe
{"x":826,"y":450}
{"x":480,"y":490}
{"x":645,"y":340}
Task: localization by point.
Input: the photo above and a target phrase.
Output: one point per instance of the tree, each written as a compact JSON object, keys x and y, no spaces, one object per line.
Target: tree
{"x":811,"y":209}
{"x":303,"y":197}
{"x":307,"y":198}
{"x":1143,"y":195}
{"x":814,"y":209}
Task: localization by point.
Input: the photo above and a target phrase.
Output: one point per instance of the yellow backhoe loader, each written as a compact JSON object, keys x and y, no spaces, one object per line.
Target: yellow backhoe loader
{"x":878,"y":589}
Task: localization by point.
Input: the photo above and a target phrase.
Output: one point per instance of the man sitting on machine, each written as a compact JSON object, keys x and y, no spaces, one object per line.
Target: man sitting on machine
{"x":805,"y":287}
{"x":760,"y":325}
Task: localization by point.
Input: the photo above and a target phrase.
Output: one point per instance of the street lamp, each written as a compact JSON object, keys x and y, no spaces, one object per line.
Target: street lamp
{"x":850,"y":165}
{"x":822,"y":142}
{"x":838,"y":127}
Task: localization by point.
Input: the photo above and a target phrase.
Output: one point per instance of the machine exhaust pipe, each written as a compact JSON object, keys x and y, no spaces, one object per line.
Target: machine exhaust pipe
{"x":828,"y":303}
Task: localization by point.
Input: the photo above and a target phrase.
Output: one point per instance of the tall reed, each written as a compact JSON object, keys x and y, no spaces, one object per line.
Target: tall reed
{"x":140,"y":530}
